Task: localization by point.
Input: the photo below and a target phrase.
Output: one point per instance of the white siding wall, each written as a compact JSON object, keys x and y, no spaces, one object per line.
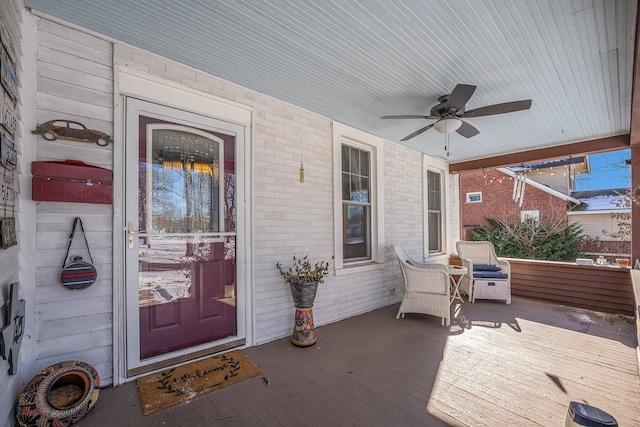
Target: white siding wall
{"x":74,"y":83}
{"x":555,"y":178}
{"x":593,"y":224}
{"x":20,"y":27}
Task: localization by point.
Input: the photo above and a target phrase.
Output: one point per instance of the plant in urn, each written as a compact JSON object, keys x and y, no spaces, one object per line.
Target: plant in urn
{"x":303,"y":279}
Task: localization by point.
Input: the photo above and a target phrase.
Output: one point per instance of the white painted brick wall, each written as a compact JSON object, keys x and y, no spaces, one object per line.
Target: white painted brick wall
{"x":403,"y":198}
{"x":453,"y":212}
{"x":293,"y":218}
{"x":74,"y":82}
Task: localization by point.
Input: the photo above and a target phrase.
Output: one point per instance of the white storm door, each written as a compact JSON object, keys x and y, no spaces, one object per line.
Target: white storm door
{"x":184,"y":292}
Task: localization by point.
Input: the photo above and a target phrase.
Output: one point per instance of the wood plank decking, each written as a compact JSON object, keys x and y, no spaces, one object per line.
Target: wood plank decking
{"x":496,"y":365}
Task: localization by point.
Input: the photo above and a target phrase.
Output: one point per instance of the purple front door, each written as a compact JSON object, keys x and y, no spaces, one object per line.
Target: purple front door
{"x":186,"y":237}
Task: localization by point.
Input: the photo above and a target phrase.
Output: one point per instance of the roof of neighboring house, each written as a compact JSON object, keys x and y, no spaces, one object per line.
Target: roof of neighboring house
{"x":580,"y":160}
{"x":546,"y":188}
{"x":601,"y":200}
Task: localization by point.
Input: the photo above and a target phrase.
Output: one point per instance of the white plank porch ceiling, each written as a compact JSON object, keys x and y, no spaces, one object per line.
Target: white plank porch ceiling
{"x":355,"y":61}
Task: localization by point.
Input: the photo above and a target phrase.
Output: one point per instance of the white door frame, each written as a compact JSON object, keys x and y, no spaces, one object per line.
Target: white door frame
{"x":133,"y":83}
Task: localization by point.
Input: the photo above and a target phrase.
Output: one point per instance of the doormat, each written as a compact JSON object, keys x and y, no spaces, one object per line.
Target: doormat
{"x":172,"y":386}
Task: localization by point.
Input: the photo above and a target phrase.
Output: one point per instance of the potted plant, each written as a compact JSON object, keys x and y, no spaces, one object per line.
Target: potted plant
{"x":303,"y":279}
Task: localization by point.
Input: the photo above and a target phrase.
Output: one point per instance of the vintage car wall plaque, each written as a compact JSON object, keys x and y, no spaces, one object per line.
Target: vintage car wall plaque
{"x":73,"y":131}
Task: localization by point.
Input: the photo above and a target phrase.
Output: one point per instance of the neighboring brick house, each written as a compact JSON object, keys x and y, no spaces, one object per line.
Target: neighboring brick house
{"x":549,"y":196}
{"x":488,"y":193}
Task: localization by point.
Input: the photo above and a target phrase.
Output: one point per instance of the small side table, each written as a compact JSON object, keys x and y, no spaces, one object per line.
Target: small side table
{"x":456,"y":270}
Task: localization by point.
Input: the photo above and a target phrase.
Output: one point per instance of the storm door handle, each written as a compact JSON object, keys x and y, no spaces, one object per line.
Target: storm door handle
{"x":130,"y":234}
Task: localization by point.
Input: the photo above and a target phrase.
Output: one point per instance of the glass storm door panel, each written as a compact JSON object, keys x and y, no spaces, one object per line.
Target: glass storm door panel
{"x":181,"y":236}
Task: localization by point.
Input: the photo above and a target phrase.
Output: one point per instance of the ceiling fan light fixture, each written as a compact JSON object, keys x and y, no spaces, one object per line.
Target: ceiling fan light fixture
{"x":447,"y":125}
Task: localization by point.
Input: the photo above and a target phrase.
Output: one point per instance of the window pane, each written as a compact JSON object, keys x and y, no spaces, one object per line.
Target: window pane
{"x":434,"y":232}
{"x":364,"y":163}
{"x":364,"y":193}
{"x":355,"y":188}
{"x":184,"y":182}
{"x":356,"y":230}
{"x":434,"y":200}
{"x":346,"y":186}
{"x":433,"y":197}
{"x":433,"y":180}
{"x":345,"y":158}
{"x":474,"y":197}
{"x":354,"y":164}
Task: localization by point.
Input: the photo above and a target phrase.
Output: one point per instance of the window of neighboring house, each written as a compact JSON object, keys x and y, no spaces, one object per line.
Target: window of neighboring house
{"x":474,"y":197}
{"x":434,"y":212}
{"x":359,"y":231}
{"x":527,"y":215}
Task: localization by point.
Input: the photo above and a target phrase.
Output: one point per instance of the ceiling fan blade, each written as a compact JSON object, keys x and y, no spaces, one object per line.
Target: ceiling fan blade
{"x":459,"y":97}
{"x":406,"y":117}
{"x":467,"y":130}
{"x":416,"y":133}
{"x":507,"y":107}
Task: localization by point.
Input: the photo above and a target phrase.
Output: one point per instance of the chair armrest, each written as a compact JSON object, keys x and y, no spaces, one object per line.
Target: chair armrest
{"x":504,"y":265}
{"x":468,"y":263}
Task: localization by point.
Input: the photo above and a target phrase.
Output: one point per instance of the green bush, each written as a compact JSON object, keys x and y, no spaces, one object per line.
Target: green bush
{"x":533,"y":240}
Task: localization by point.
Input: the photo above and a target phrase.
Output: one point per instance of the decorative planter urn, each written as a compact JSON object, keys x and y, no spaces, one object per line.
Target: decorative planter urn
{"x":304,"y":333}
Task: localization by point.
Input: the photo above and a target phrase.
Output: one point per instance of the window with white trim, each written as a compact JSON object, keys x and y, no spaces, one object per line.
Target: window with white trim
{"x":357,"y":185}
{"x":527,"y":215}
{"x":434,"y":212}
{"x":356,"y":204}
{"x":474,"y":197}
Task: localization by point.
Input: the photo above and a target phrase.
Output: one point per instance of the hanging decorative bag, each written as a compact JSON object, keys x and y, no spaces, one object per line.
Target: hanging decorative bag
{"x":77,"y":274}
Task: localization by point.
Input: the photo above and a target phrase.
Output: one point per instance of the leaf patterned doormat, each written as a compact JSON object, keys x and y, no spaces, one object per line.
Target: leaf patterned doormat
{"x":172,"y":386}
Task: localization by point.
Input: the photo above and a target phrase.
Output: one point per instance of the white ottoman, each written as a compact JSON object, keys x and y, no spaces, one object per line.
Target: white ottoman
{"x":491,"y":289}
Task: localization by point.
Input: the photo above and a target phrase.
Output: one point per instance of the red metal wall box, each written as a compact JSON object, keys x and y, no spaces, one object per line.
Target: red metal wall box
{"x":71,"y":181}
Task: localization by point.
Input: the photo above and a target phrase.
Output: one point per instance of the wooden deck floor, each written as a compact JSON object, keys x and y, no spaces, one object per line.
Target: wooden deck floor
{"x":496,"y":365}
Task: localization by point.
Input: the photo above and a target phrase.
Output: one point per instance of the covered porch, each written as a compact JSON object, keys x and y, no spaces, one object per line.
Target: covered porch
{"x":301,"y":98}
{"x":496,"y":365}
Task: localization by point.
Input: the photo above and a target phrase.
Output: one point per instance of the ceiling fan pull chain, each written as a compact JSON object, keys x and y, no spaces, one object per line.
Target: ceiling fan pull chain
{"x":446,"y":144}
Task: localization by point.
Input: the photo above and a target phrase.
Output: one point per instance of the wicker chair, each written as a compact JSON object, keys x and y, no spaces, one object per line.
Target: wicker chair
{"x":481,"y":282}
{"x":426,"y":287}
